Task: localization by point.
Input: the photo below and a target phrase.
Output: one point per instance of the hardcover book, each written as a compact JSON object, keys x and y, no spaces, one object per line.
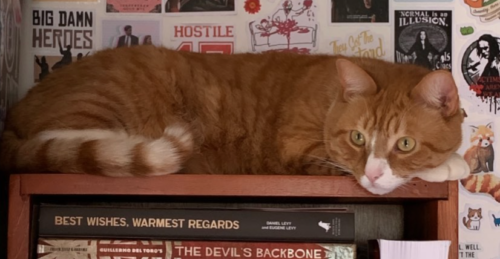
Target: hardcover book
{"x":163,"y":249}
{"x":336,"y":225}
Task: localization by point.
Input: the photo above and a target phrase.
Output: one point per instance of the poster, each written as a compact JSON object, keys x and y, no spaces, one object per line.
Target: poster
{"x":365,"y":11}
{"x":364,"y":43}
{"x":133,"y":6}
{"x":480,"y":70}
{"x":424,"y":38}
{"x":291,"y":27}
{"x":200,"y":6}
{"x":485,"y":11}
{"x":127,"y":33}
{"x":59,"y":36}
{"x":203,"y":37}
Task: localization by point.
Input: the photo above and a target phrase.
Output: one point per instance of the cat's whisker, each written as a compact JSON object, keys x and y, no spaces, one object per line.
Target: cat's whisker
{"x":326,"y":162}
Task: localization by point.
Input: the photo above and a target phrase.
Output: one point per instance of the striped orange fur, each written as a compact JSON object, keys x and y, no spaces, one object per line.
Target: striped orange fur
{"x":149,"y":110}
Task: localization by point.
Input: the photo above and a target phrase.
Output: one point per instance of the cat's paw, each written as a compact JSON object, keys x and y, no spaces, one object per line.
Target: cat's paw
{"x":459,"y":168}
{"x":455,"y":168}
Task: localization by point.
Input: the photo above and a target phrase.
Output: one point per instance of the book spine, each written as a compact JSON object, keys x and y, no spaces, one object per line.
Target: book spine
{"x":161,"y":249}
{"x":105,"y":222}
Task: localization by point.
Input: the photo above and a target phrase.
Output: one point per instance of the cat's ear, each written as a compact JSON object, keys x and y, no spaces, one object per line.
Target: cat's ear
{"x":489,"y":126}
{"x":354,"y":80}
{"x":437,"y":89}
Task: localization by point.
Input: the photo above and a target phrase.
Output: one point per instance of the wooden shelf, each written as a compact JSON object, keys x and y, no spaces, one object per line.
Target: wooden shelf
{"x":430,"y":208}
{"x":221,"y":185}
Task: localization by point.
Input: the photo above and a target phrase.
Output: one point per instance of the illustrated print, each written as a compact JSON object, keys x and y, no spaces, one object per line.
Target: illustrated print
{"x":473,"y":219}
{"x":202,"y":37}
{"x":290,"y":28}
{"x":46,"y":64}
{"x":481,"y":71}
{"x":496,"y":220}
{"x":359,"y":11}
{"x":481,"y":155}
{"x":197,"y":6}
{"x":133,"y":6}
{"x":424,"y":38}
{"x":127,"y":33}
{"x":466,"y":30}
{"x":252,"y":6}
{"x":366,"y":43}
{"x":483,"y":184}
{"x":486,"y":10}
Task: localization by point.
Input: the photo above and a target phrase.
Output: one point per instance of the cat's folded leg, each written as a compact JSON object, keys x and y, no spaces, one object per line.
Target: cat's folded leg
{"x":455,"y":168}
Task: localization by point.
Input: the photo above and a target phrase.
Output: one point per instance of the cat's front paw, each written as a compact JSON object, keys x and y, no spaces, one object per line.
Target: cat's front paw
{"x":459,"y":167}
{"x":455,"y":168}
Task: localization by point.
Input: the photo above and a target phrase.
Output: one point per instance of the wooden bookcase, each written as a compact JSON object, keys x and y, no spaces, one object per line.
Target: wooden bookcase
{"x":430,"y":209}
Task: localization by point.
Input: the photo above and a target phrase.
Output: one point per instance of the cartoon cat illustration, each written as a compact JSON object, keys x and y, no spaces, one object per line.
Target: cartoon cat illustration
{"x":496,"y":220}
{"x":473,"y":219}
{"x":481,"y":155}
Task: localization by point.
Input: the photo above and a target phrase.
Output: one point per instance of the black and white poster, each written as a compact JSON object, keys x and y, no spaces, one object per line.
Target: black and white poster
{"x":480,"y":67}
{"x":423,"y":37}
{"x":359,"y":11}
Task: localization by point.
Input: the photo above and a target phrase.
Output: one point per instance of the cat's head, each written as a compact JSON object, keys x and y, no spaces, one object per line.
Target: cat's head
{"x":475,"y":214}
{"x":395,"y":121}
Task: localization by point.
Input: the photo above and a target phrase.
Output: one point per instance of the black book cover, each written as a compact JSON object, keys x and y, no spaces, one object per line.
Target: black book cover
{"x":197,"y":224}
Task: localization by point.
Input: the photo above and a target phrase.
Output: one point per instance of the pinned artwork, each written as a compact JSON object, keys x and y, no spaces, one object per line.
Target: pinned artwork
{"x":291,"y":27}
{"x":424,"y":38}
{"x":471,"y":218}
{"x":252,"y":6}
{"x":485,"y":11}
{"x":480,"y":69}
{"x":200,"y":6}
{"x":366,"y":11}
{"x":466,"y":30}
{"x":126,"y":33}
{"x":365,"y":43}
{"x":479,"y":153}
{"x":133,"y":6}
{"x":205,"y":38}
{"x":61,"y":35}
{"x":469,"y":250}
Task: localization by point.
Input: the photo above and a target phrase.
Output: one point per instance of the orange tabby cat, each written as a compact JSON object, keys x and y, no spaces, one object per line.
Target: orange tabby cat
{"x":151,"y":111}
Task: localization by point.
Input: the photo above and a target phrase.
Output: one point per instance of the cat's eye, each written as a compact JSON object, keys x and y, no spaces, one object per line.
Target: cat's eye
{"x":406,"y":144}
{"x":357,"y":138}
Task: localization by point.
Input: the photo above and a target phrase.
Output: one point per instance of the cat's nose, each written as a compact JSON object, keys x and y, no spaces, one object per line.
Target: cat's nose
{"x":373,"y":174}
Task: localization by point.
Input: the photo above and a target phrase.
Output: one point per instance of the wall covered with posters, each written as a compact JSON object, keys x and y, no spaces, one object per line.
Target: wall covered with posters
{"x":462,"y":36}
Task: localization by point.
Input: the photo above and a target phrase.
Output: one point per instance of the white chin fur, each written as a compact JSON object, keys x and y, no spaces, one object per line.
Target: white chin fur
{"x":380,"y":186}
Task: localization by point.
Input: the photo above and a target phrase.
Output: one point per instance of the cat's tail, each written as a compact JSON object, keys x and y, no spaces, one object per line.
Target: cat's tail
{"x":493,"y":216}
{"x":483,"y":183}
{"x":97,"y":151}
{"x":464,"y":220}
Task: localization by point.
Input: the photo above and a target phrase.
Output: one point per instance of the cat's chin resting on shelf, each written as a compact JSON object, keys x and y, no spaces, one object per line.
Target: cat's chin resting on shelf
{"x":454,"y":168}
{"x":146,"y":110}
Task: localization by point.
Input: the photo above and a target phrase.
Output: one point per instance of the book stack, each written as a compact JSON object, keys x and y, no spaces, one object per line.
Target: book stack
{"x":98,"y":232}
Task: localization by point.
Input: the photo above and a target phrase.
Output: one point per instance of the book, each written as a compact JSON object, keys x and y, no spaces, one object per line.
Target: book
{"x":397,"y":249}
{"x":332,"y":225}
{"x":167,"y":249}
